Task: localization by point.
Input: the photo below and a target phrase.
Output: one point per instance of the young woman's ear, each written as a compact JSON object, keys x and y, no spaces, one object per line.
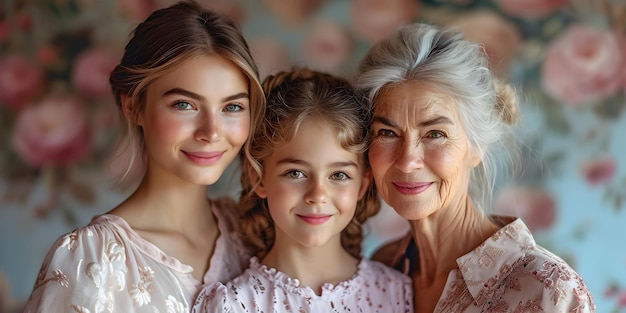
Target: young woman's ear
{"x":130,"y":111}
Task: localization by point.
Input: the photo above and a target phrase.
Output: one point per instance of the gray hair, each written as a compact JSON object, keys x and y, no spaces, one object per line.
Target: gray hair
{"x":459,"y":68}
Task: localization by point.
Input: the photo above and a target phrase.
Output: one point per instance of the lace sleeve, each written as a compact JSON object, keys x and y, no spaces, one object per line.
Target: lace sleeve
{"x":80,"y":274}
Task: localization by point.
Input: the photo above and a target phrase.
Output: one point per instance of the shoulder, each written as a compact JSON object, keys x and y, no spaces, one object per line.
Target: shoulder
{"x":241,"y":292}
{"x":381,"y":270}
{"x":383,"y":276}
{"x":561,"y":286}
{"x":510,"y":270}
{"x":100,"y":236}
{"x":391,"y":287}
{"x":75,"y":264}
{"x":212,"y":298}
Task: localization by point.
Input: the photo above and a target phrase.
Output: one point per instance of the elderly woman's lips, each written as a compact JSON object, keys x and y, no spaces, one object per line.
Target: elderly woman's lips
{"x":411,"y":188}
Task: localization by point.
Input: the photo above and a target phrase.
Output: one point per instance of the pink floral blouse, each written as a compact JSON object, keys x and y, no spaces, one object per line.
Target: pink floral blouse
{"x":107,"y":267}
{"x":509,"y":272}
{"x":374,"y":288}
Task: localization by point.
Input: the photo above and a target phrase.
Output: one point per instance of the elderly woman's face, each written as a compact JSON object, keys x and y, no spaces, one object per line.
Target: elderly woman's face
{"x":420,"y":154}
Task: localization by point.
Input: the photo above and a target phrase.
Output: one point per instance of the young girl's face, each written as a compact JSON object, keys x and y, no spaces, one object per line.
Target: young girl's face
{"x":195,"y":120}
{"x":312,"y":186}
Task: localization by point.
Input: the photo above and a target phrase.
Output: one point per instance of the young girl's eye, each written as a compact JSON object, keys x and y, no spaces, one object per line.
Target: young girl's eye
{"x":340,"y":176}
{"x":183,"y":105}
{"x":294,"y":174}
{"x":233,"y":107}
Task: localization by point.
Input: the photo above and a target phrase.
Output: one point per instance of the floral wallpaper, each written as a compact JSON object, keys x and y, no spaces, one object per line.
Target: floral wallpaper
{"x":567,"y":59}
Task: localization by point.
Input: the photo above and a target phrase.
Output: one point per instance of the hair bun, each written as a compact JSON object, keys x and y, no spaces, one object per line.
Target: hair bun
{"x":506,"y":102}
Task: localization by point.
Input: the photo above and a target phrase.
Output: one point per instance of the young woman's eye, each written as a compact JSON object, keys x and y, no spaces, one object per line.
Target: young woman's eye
{"x":340,"y":176}
{"x":294,"y":174}
{"x":233,"y":107}
{"x":182,"y":105}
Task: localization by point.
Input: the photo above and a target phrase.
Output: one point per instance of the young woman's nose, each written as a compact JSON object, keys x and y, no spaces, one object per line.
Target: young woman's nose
{"x":209,"y":128}
{"x":317,"y":193}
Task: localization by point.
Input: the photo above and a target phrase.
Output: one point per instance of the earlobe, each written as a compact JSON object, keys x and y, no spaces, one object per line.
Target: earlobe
{"x":129,"y":110}
{"x":475,"y":157}
{"x":260,"y":191}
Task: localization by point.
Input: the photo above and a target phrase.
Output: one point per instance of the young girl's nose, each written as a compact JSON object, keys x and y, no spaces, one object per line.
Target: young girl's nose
{"x":317,"y":193}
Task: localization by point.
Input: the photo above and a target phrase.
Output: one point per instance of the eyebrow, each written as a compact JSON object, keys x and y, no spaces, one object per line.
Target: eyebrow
{"x":302,"y":162}
{"x":433,"y":121}
{"x":191,"y":94}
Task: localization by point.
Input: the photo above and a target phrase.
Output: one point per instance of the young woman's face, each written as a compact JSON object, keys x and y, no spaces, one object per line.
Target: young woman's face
{"x":420,"y":156}
{"x":196,"y":120}
{"x":312,"y":186}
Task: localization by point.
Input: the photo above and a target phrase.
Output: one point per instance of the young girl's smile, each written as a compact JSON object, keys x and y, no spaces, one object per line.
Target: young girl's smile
{"x":312,"y":185}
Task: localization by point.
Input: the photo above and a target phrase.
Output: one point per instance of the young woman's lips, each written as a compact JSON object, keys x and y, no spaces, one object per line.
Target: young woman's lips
{"x":314,"y":219}
{"x":409,"y":188}
{"x":204,"y":158}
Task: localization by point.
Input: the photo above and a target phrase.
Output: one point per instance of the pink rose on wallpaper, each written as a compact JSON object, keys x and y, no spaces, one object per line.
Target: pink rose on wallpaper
{"x":535,"y":206}
{"x":5,"y":30}
{"x":621,"y":299}
{"x":327,"y":46}
{"x":24,"y":22}
{"x":598,"y":170}
{"x":583,"y":64}
{"x":270,"y":55}
{"x":292,"y":13}
{"x":500,"y":38}
{"x":530,"y":8}
{"x":91,"y":71}
{"x":373,"y":20}
{"x":138,"y":10}
{"x":622,"y":41}
{"x":52,"y":132}
{"x":20,"y":81}
{"x":46,"y":54}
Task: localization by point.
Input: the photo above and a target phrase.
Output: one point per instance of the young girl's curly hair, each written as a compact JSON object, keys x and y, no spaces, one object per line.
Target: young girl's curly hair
{"x":293,"y":97}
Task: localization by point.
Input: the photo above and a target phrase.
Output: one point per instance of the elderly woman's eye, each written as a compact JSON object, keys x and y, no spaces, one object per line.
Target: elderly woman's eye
{"x":436,"y":134}
{"x":385,"y":133}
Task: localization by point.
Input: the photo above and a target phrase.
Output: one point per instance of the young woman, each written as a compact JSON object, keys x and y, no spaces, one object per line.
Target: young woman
{"x":189,"y":92}
{"x":305,"y":199}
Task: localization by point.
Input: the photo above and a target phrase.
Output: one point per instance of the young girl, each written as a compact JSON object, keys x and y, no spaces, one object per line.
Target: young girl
{"x":189,"y":92}
{"x":305,"y":199}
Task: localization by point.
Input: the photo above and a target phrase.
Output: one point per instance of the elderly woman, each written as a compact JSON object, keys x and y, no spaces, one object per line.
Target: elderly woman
{"x":439,"y":115}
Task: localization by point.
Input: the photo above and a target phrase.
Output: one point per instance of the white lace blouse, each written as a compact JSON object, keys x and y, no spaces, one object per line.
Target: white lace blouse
{"x":107,"y":267}
{"x":374,"y":288}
